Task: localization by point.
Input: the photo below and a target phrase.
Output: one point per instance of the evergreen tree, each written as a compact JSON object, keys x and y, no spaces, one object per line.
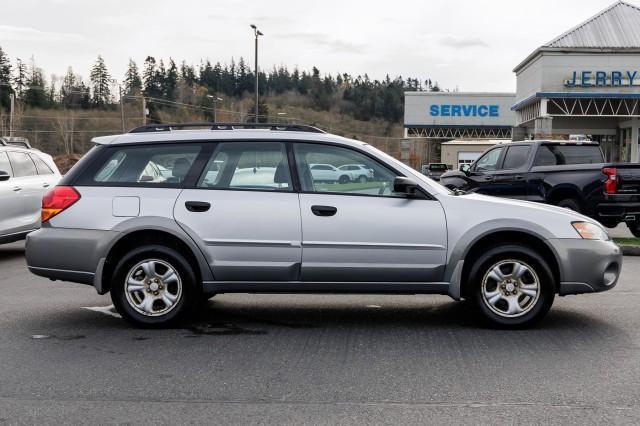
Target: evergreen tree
{"x":36,"y":93}
{"x":72,"y":91}
{"x":171,"y":81}
{"x":100,"y":83}
{"x":132,"y":81}
{"x":150,"y":78}
{"x":5,"y":80}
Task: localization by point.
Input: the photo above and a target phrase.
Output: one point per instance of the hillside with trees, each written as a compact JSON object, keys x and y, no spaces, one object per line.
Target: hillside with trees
{"x":62,"y":113}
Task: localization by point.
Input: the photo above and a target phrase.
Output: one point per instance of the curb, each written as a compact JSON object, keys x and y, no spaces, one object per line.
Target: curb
{"x":629,"y":250}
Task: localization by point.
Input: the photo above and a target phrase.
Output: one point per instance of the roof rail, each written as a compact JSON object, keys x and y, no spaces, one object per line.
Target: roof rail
{"x":23,"y":142}
{"x":167,"y":127}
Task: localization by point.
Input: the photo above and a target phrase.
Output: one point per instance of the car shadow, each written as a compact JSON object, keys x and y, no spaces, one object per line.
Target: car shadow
{"x":12,"y":251}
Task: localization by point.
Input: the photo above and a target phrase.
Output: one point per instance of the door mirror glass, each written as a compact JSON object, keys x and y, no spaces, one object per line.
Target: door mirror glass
{"x":465,"y":168}
{"x":403,"y":185}
{"x":4,"y":176}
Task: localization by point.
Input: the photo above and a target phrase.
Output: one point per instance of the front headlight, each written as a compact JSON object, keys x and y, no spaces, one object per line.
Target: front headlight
{"x":590,"y":231}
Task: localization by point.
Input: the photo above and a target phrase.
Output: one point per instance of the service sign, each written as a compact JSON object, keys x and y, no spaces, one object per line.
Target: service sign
{"x":459,"y":109}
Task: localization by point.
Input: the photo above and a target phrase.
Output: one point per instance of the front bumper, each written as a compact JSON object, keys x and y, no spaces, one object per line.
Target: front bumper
{"x":587,"y":266}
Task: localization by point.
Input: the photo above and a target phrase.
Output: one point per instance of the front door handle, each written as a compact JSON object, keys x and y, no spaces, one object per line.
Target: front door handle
{"x":197,"y":206}
{"x":17,"y":189}
{"x":324,"y":210}
{"x":487,"y":178}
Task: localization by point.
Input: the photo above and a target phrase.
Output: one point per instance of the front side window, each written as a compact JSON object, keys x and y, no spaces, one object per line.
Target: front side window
{"x":248,"y":165}
{"x":489,"y":161}
{"x":320,"y":168}
{"x":516,"y":157}
{"x":22,"y":164}
{"x":5,"y":166}
{"x":162,"y":165}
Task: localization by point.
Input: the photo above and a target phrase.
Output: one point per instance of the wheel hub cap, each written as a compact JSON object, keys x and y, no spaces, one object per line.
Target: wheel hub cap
{"x":510,"y":288}
{"x":153,"y":287}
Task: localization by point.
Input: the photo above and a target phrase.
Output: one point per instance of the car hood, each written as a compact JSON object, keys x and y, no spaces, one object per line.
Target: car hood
{"x":529,"y":205}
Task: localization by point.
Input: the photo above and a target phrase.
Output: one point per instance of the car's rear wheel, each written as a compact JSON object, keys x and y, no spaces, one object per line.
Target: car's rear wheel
{"x":154,"y":286}
{"x":512,"y":286}
{"x":634,"y":227}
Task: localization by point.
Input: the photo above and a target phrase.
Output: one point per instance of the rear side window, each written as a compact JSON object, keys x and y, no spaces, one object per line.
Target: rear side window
{"x":147,"y":164}
{"x":22,"y":164}
{"x":516,"y":157}
{"x":5,"y":166}
{"x":248,"y":165}
{"x":42,"y":167}
{"x":559,"y":155}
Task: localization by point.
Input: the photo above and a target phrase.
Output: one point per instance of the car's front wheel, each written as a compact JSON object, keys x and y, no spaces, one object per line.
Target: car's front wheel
{"x":154,"y":286}
{"x":512,"y":286}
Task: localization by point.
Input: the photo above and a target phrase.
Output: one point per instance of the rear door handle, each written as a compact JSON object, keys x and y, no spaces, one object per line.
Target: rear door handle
{"x":324,"y":210}
{"x":17,"y":189}
{"x":45,"y":185}
{"x":197,"y":206}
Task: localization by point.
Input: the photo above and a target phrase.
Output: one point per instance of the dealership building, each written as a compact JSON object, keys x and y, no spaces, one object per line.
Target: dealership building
{"x":583,"y":82}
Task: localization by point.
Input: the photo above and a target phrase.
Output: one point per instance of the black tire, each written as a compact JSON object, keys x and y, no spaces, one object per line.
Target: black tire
{"x":344,"y":179}
{"x":536,"y":308}
{"x":634,"y":227}
{"x":363,"y":179}
{"x":571,"y":204}
{"x":186,"y":304}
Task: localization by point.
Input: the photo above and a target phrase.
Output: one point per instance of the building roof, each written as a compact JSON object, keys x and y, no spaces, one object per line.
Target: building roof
{"x":476,"y":142}
{"x":617,"y":26}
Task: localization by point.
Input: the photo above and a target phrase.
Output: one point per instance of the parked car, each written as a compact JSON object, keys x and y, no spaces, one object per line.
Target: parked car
{"x":25,"y":175}
{"x":563,"y":173}
{"x":161,"y":247}
{"x":328,"y":173}
{"x":435,"y":170}
{"x":357,"y":172}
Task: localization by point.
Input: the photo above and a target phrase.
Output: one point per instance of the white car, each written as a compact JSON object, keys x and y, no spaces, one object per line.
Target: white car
{"x":357,"y":172}
{"x":25,"y":175}
{"x":328,"y":173}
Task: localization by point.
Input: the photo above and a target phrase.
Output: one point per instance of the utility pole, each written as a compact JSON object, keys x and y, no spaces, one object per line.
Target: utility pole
{"x":12,"y":104}
{"x":257,"y":33}
{"x":144,"y":111}
{"x":121,"y":108}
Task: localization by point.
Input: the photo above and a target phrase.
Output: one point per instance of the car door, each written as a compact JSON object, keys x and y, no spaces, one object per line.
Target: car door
{"x":27,"y":184}
{"x":246,"y":214}
{"x":363,"y":231}
{"x":483,"y":170}
{"x":11,"y":204}
{"x":511,"y":179}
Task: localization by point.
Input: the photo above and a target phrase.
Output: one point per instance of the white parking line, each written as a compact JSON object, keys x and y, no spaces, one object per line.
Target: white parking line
{"x":107,"y":310}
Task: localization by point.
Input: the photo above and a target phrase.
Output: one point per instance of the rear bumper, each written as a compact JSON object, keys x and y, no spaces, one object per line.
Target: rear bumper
{"x":67,"y":254}
{"x":616,"y":212}
{"x":587,"y":266}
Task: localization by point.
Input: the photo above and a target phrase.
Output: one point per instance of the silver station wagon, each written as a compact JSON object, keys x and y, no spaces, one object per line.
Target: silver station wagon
{"x":168,"y":215}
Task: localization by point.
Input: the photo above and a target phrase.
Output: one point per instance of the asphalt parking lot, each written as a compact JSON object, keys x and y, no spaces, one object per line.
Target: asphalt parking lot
{"x":314,"y":359}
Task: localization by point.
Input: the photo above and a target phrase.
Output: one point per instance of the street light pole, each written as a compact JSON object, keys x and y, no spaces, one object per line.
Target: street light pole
{"x":256,"y":33}
{"x":215,"y":99}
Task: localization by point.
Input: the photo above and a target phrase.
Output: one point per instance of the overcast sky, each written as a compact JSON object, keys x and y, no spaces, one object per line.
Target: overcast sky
{"x":469,"y":44}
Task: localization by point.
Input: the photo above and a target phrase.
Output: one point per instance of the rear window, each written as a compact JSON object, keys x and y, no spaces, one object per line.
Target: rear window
{"x":42,"y":167}
{"x":559,"y":155}
{"x":437,"y":167}
{"x":153,"y":165}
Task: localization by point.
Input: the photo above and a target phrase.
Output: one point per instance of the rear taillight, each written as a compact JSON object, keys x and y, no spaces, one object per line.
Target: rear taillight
{"x":611,"y":184}
{"x":57,"y":200}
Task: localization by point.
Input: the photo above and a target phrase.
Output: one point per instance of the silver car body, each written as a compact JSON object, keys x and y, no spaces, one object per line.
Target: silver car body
{"x":266,"y":241}
{"x":21,"y":195}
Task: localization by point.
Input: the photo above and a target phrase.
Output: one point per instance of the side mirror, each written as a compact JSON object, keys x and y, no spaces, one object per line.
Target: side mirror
{"x":465,"y":168}
{"x":4,"y":176}
{"x":403,"y":185}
